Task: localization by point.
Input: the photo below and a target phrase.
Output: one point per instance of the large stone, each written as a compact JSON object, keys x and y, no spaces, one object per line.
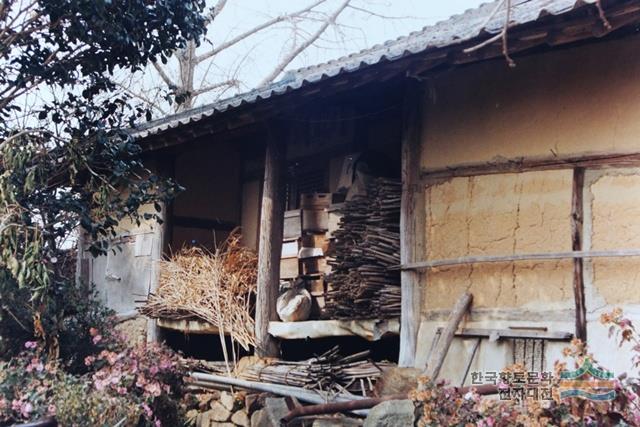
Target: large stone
{"x":259,"y":419}
{"x":337,"y":421}
{"x":275,"y":408}
{"x":240,"y":418}
{"x":392,"y":413}
{"x":397,"y":381}
{"x":227,"y":400}
{"x":218,"y":412}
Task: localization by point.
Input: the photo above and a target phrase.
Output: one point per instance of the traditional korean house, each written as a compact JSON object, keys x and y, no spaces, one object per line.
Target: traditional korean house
{"x":515,"y":136}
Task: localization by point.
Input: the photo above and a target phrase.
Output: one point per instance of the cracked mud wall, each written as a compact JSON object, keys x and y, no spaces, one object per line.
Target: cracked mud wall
{"x":614,"y":198}
{"x":500,"y":215}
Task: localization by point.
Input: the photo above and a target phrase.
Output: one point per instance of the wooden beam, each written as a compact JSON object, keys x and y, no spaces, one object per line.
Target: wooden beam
{"x":543,"y":256}
{"x":577,"y":216}
{"x":512,"y":334}
{"x":517,"y":165}
{"x":412,"y":221}
{"x":369,"y":329}
{"x":270,"y":244}
{"x":442,"y":347}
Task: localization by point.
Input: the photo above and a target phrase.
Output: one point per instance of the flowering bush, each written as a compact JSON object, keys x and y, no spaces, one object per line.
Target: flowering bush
{"x":147,"y":374}
{"x":442,"y":405}
{"x":127,"y":385}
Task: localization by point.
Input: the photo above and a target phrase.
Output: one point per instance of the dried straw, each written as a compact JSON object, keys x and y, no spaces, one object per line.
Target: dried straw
{"x":217,"y":288}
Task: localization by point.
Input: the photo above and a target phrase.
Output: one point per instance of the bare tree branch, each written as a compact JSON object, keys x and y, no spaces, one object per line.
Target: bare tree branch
{"x":142,"y":98}
{"x":297,"y":50}
{"x":215,"y":11}
{"x":379,"y":15}
{"x":502,"y":35}
{"x":205,"y":89}
{"x":257,"y":29}
{"x":164,"y":76}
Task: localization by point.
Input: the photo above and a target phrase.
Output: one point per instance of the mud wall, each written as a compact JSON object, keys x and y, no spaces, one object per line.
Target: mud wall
{"x":568,"y":101}
{"x":500,"y":215}
{"x":582,"y":100}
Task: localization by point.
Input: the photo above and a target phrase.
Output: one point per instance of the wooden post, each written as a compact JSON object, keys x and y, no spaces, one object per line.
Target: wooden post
{"x":412,"y":222}
{"x":576,"y":239}
{"x":159,"y":235}
{"x":440,"y":352}
{"x":270,"y":244}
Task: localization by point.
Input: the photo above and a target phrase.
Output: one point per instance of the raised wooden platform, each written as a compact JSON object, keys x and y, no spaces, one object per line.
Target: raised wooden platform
{"x":197,"y":327}
{"x":371,"y":330}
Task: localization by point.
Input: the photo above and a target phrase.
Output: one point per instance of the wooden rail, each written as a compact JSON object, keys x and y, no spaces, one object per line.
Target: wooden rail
{"x":519,"y":257}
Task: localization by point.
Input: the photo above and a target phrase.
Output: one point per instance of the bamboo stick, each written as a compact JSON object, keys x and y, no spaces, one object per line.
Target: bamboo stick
{"x":542,"y":256}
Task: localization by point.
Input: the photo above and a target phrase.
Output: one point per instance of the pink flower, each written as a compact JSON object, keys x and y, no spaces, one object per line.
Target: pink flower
{"x":625,"y":323}
{"x":30,"y":345}
{"x":122,"y":390}
{"x":99,"y":384}
{"x":147,"y":410}
{"x":153,"y":370}
{"x":93,"y":332}
{"x":153,"y":389}
{"x":97,"y":339}
{"x":88,"y":361}
{"x":26,"y":409}
{"x":158,"y":423}
{"x":51,"y":409}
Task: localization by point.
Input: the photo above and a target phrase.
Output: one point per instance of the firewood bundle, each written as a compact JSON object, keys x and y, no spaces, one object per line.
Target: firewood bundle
{"x":367,"y":243}
{"x":329,"y":372}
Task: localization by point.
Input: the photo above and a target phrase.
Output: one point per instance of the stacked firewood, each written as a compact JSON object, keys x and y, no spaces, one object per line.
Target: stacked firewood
{"x":367,"y":244}
{"x":329,"y":372}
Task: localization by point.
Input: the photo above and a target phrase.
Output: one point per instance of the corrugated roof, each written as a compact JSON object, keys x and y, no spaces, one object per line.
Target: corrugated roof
{"x":457,"y":29}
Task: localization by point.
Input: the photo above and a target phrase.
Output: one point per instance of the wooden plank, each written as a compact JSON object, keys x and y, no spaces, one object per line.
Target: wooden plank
{"x":371,"y":330}
{"x":533,"y":164}
{"x":270,"y":244}
{"x":541,"y":256}
{"x":512,"y":334}
{"x":412,"y":218}
{"x":195,"y":327}
{"x":474,"y":350}
{"x":577,"y":216}
{"x":442,"y":348}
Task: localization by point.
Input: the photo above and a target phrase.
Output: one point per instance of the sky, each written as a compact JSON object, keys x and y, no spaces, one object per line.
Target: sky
{"x":251,"y":60}
{"x":367,"y":30}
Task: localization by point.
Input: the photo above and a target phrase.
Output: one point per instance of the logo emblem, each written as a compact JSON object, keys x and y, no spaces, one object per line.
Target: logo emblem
{"x":587,"y":382}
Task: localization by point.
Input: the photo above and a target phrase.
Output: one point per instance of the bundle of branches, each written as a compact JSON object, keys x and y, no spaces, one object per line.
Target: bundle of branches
{"x":328,"y":373}
{"x":367,"y":243}
{"x":217,"y":288}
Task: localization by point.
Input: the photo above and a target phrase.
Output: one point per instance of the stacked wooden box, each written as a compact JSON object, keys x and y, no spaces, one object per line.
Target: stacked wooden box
{"x":314,"y":246}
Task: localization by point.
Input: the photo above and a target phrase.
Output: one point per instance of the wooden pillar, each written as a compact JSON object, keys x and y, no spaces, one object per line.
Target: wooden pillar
{"x":159,"y":234}
{"x":412,"y":222}
{"x":270,"y":244}
{"x":577,"y":216}
{"x":164,"y":167}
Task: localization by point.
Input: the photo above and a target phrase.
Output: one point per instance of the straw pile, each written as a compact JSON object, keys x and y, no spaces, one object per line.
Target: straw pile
{"x":217,"y":288}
